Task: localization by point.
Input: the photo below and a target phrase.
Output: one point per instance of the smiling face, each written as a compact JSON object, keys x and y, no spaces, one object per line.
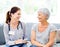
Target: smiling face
{"x":16,"y":16}
{"x":42,"y":17}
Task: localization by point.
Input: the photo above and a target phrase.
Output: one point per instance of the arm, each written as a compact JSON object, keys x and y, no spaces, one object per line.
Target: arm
{"x":51,"y":39}
{"x":25,"y":33}
{"x":33,"y":39}
{"x":5,"y":30}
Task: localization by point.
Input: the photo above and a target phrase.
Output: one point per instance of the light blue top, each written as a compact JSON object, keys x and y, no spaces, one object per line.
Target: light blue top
{"x":43,"y":37}
{"x":14,"y":34}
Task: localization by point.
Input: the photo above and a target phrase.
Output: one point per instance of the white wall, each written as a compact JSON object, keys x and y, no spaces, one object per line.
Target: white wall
{"x":30,"y":14}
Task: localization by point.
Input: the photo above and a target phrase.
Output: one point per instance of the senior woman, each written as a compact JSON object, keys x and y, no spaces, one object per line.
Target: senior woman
{"x":43,"y":34}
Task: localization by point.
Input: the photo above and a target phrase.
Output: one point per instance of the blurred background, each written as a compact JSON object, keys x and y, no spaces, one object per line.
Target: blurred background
{"x":29,"y":9}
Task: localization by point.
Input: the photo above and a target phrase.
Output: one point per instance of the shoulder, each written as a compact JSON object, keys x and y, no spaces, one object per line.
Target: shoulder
{"x":6,"y":28}
{"x":34,"y":26}
{"x":21,"y":22}
{"x":52,"y":26}
{"x":5,"y":25}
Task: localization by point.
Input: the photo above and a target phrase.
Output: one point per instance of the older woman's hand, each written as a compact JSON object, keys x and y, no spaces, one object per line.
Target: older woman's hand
{"x":45,"y":46}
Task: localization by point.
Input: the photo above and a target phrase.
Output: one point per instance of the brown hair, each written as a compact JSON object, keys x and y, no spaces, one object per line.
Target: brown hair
{"x":13,"y":10}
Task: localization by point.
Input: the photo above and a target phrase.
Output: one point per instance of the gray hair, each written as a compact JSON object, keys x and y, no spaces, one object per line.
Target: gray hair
{"x":44,"y":11}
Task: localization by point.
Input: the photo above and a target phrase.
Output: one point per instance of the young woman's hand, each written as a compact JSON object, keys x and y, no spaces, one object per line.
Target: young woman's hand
{"x":18,"y":41}
{"x":24,"y":41}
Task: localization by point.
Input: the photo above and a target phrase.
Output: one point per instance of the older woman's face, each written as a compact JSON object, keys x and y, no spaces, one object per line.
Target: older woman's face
{"x":16,"y":16}
{"x":42,"y":17}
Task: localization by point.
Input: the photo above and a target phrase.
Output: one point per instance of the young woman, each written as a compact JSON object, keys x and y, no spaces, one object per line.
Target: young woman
{"x":43,"y":34}
{"x":14,"y":30}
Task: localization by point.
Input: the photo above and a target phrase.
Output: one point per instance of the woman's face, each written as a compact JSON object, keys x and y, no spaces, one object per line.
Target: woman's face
{"x":16,"y":16}
{"x":42,"y":17}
